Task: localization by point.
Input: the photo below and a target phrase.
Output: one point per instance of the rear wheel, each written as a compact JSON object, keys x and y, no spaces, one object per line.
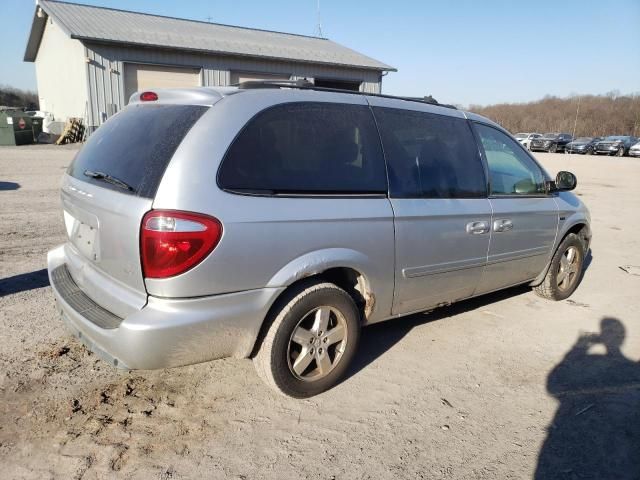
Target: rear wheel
{"x":310,"y":342}
{"x":565,"y":270}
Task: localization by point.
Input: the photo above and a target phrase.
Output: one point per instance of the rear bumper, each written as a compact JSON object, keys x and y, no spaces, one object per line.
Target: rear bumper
{"x":165,"y":332}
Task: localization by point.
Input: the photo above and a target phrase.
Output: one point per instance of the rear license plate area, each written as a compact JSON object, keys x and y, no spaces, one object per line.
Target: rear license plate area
{"x":83,"y":234}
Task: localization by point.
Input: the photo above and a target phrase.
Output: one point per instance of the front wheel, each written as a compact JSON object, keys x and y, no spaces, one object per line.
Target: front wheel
{"x":620,"y":152}
{"x":553,"y":148}
{"x":565,"y":270}
{"x":311,"y":340}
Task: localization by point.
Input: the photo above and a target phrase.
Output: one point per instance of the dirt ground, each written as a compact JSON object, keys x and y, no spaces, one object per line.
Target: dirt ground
{"x":504,"y":386}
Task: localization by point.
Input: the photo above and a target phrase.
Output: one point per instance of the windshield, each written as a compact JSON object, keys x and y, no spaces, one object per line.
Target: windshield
{"x":583,"y":140}
{"x":550,"y":135}
{"x":616,"y":137}
{"x":131,"y":151}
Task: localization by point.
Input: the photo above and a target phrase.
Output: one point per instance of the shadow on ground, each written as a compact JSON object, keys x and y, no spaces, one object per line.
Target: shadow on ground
{"x":595,"y":433}
{"x":24,"y":282}
{"x":378,"y":338}
{"x":9,"y":186}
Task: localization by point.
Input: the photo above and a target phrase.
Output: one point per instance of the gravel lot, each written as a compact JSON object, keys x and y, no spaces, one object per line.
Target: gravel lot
{"x":503,"y":386}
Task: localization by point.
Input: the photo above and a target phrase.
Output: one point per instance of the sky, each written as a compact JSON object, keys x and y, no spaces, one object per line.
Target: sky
{"x":460,"y":51}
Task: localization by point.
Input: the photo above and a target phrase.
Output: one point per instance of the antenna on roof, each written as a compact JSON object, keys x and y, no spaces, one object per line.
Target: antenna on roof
{"x":319,"y":25}
{"x":209,"y":18}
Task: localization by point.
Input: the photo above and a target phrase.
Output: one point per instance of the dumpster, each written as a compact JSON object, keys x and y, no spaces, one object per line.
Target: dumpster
{"x":16,"y":128}
{"x":36,"y":125}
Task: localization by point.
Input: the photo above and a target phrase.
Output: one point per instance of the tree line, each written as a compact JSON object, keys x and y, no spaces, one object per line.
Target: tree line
{"x":591,"y":115}
{"x":15,"y":97}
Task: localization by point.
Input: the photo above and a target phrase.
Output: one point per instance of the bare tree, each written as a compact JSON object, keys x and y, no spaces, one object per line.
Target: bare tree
{"x":15,"y":97}
{"x":598,"y":115}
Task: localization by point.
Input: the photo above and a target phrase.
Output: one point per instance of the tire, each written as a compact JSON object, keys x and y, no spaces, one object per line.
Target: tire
{"x":556,"y":286}
{"x":553,"y":148}
{"x":620,"y":152}
{"x":301,"y":313}
{"x":589,"y":151}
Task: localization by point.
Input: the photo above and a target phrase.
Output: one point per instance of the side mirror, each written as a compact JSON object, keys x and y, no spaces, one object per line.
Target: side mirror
{"x":564,"y":181}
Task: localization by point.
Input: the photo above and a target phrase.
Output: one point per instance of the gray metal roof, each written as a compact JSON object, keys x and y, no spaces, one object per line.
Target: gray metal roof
{"x":99,"y":24}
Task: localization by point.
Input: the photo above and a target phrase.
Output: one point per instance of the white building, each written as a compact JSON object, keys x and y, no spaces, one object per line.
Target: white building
{"x":89,"y":60}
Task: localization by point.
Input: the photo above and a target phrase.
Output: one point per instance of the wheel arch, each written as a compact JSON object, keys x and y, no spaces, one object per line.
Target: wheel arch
{"x":579,"y":227}
{"x":345,"y":275}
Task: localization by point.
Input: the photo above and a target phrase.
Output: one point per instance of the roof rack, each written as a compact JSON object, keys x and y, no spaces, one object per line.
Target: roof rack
{"x":304,"y":84}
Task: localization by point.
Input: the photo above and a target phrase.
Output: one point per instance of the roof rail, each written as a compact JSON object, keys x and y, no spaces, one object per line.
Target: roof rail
{"x":251,"y":84}
{"x":304,"y":84}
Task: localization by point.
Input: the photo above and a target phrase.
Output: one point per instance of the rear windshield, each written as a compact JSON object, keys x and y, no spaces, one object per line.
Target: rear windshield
{"x":131,"y":151}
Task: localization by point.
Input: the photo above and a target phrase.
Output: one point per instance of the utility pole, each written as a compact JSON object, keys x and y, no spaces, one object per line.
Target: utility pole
{"x":319,"y":25}
{"x":575,"y":123}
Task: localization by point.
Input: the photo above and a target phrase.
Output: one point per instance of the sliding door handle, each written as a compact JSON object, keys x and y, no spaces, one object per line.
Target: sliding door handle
{"x":477,"y":228}
{"x":503,"y":225}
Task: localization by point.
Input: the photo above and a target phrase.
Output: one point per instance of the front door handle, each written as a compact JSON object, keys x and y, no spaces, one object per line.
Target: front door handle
{"x":477,"y":228}
{"x":502,"y":225}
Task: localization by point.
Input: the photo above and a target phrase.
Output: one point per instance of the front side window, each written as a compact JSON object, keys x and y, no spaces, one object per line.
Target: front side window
{"x":306,"y":148}
{"x":430,"y":156}
{"x":511,"y":170}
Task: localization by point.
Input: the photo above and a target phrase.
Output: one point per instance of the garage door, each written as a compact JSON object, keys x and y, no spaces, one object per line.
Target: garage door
{"x":139,"y":77}
{"x":239,"y":77}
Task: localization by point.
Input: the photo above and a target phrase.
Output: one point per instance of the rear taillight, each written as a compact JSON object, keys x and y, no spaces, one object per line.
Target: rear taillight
{"x":172,"y":242}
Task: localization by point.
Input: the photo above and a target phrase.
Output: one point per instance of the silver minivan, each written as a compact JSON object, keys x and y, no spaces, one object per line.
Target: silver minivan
{"x":273,"y":221}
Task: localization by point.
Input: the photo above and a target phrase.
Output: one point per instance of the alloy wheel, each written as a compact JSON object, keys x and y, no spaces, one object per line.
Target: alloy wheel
{"x":568,"y":269}
{"x":317,"y":343}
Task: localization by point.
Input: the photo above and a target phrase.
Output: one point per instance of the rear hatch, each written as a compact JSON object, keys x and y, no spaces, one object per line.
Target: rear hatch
{"x":108,"y":188}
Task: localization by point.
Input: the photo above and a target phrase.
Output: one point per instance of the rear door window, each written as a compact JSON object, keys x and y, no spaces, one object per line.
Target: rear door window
{"x":430,"y":156}
{"x":306,"y":148}
{"x":134,"y":147}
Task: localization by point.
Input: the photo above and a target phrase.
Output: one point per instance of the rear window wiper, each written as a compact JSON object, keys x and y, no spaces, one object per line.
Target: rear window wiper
{"x":109,"y":179}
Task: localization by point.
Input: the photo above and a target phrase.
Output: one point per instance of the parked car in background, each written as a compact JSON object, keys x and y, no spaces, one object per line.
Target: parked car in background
{"x":550,"y":142}
{"x":274,"y":223}
{"x":525,"y":138}
{"x":582,"y":145}
{"x":618,"y":145}
{"x":634,"y":151}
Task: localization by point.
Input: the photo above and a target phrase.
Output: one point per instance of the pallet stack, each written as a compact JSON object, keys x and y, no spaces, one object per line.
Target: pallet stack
{"x":73,"y":132}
